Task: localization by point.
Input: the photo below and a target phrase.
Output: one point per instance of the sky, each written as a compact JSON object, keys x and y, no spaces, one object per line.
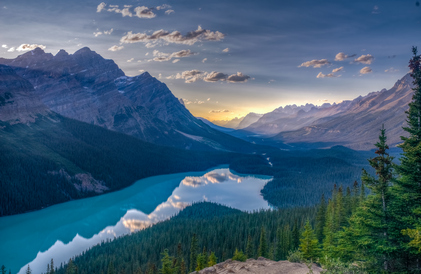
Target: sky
{"x":226,"y":58}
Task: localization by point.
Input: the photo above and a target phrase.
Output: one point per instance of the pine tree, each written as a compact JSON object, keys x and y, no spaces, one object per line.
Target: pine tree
{"x":371,"y":223}
{"x":28,"y":270}
{"x":249,"y":247}
{"x":309,"y":246}
{"x":295,"y":236}
{"x":52,"y":269}
{"x":279,"y":244}
{"x":321,"y":219}
{"x":111,"y":269}
{"x":71,"y":268}
{"x":263,"y":246}
{"x":167,"y":263}
{"x":212,"y":259}
{"x":3,"y":269}
{"x":408,"y":186}
{"x":193,"y":253}
{"x":179,"y":259}
{"x":239,"y":256}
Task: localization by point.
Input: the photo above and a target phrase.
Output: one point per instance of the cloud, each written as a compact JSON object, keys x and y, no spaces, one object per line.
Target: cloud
{"x":204,"y":60}
{"x":130,"y":60}
{"x":342,"y":56}
{"x":175,"y":61}
{"x":106,"y":32}
{"x":26,"y":47}
{"x":330,"y":75}
{"x":176,"y":37}
{"x":366,"y":70}
{"x":365,"y":59}
{"x":226,"y":50}
{"x":101,"y":7}
{"x":4,"y":46}
{"x":219,"y":111}
{"x":375,"y":10}
{"x":391,"y":70}
{"x":238,"y":78}
{"x":116,"y":48}
{"x":168,"y":12}
{"x":337,"y":69}
{"x":163,"y":7}
{"x":215,"y":76}
{"x":315,"y":63}
{"x":161,"y":56}
{"x":12,"y":49}
{"x":191,"y":76}
{"x":141,"y":70}
{"x":144,"y":12}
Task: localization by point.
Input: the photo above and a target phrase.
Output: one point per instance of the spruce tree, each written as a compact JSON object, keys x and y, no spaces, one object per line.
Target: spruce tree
{"x":263,"y":246}
{"x":212,"y":259}
{"x":193,"y":253}
{"x":321,"y":219}
{"x":28,"y":270}
{"x":167,"y":263}
{"x":249,"y":247}
{"x":371,"y":223}
{"x":309,"y":246}
{"x":3,"y":269}
{"x":408,"y":185}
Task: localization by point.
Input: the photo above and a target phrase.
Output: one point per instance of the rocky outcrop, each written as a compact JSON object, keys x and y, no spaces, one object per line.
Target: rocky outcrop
{"x":18,"y":100}
{"x":259,"y":266}
{"x":86,"y":87}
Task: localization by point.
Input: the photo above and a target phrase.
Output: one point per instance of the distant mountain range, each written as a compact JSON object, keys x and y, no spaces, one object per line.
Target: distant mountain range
{"x":239,"y":123}
{"x":354,"y":123}
{"x":86,"y":87}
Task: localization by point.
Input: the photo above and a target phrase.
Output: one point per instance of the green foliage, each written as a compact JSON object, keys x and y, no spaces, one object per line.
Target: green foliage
{"x":295,"y":257}
{"x":221,"y":235}
{"x":262,"y":251}
{"x":309,"y":245}
{"x":239,"y":256}
{"x":213,"y":260}
{"x":249,"y":247}
{"x":321,"y":219}
{"x":167,"y":263}
{"x":193,"y":253}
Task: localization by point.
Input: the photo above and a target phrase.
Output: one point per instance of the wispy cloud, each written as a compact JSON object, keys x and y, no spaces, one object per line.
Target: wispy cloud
{"x":116,"y":48}
{"x":226,"y":50}
{"x":391,"y":70}
{"x":342,"y":56}
{"x":365,"y":59}
{"x":140,"y":11}
{"x":315,"y":63}
{"x":161,"y":56}
{"x":106,"y":32}
{"x":176,"y":37}
{"x":330,"y":75}
{"x":366,"y":70}
{"x":204,"y":60}
{"x":26,"y":47}
{"x":4,"y":46}
{"x":168,"y":12}
{"x":219,"y":111}
{"x":191,"y":76}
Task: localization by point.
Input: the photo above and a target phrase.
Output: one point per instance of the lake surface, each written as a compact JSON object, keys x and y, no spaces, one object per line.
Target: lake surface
{"x":66,"y":230}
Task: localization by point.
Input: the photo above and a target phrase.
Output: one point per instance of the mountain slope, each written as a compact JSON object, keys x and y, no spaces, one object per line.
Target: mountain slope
{"x":86,"y":87}
{"x":46,"y":158}
{"x":357,"y":125}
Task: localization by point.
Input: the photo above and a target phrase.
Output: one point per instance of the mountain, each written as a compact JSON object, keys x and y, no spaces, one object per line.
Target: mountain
{"x":356,"y":123}
{"x":46,"y":158}
{"x":86,"y":87}
{"x":233,"y":123}
{"x":238,"y":123}
{"x":290,"y":117}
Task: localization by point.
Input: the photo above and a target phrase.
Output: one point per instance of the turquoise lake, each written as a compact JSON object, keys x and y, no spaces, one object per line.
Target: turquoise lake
{"x":66,"y":230}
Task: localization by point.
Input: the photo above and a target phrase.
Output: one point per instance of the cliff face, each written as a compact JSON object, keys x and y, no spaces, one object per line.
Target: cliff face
{"x":259,"y":266}
{"x":18,"y":101}
{"x":86,"y":87}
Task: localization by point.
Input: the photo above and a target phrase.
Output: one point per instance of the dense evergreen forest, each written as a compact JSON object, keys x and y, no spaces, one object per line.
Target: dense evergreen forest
{"x":32,"y":156}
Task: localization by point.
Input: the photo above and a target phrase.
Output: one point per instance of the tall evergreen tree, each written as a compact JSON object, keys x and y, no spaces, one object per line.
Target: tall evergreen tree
{"x":111,"y":269}
{"x":167,"y":263}
{"x":371,"y":224}
{"x":28,"y":270}
{"x":309,"y":245}
{"x":213,"y":260}
{"x":249,"y":247}
{"x":408,"y":185}
{"x":193,"y":253}
{"x":263,"y":245}
{"x":3,"y":269}
{"x":321,"y":219}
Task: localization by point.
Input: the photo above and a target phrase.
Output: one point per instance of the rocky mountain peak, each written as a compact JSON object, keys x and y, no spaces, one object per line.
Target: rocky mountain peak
{"x":18,"y":100}
{"x":61,"y":54}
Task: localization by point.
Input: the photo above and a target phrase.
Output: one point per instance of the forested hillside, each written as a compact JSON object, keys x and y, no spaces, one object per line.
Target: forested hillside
{"x":57,"y":159}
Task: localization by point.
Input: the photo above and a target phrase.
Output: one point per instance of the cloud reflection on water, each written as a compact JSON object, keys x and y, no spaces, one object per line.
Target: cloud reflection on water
{"x":219,"y":186}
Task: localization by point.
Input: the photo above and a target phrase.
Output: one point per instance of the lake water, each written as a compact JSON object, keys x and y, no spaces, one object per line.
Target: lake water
{"x":65,"y":230}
